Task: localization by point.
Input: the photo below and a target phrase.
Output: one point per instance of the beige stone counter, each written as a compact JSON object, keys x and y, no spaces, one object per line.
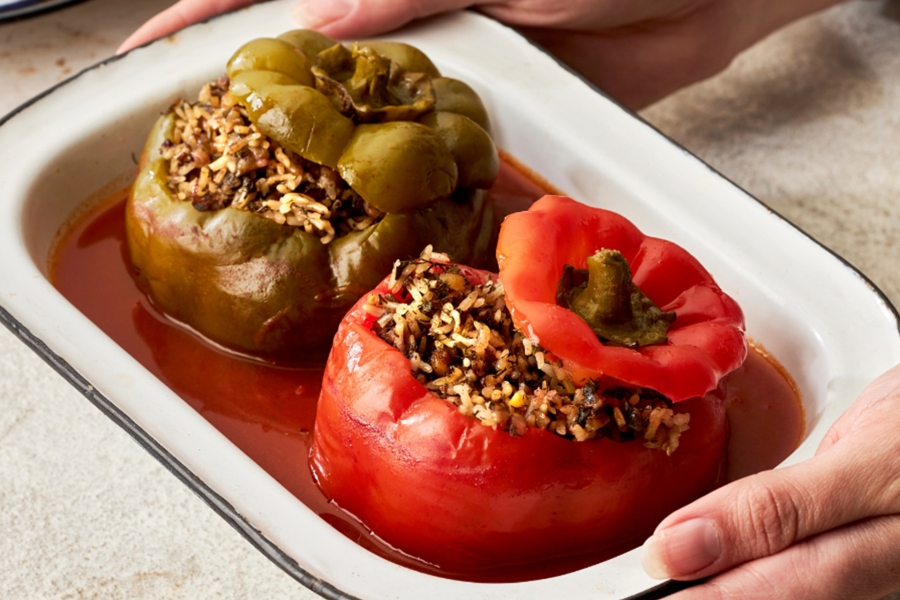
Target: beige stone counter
{"x":809,"y":122}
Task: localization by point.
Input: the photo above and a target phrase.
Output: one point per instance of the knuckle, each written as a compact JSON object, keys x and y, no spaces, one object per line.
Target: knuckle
{"x":771,"y":517}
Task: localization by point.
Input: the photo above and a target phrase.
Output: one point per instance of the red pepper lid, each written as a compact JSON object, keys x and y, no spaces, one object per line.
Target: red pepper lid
{"x":705,"y":342}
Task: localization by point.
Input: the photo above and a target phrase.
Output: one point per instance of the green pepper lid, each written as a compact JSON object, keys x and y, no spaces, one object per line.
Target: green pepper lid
{"x":398,"y":166}
{"x":318,"y":98}
{"x":268,"y":54}
{"x":244,"y":86}
{"x":471,"y":146}
{"x":302,"y":120}
{"x":408,"y":58}
{"x":453,"y":95}
{"x":369,"y":88}
{"x":308,"y":41}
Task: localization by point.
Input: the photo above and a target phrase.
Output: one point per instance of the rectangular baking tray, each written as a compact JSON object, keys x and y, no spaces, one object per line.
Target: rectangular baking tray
{"x":829,"y":326}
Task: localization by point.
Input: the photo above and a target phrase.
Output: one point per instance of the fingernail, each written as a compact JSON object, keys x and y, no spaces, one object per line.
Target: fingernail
{"x":682,"y":549}
{"x":318,"y":13}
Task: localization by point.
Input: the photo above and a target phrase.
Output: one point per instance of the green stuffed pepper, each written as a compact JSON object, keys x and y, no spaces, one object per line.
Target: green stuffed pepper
{"x":264,"y":210}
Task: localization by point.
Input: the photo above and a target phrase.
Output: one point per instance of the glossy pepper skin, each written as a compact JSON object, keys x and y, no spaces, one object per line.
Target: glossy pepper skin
{"x":276,"y":292}
{"x":444,"y":488}
{"x":268,"y":290}
{"x":380,"y":113}
{"x":705,"y":342}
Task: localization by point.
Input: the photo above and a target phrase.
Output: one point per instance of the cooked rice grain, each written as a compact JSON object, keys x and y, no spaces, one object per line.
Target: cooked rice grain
{"x":218,"y":158}
{"x":463,"y":346}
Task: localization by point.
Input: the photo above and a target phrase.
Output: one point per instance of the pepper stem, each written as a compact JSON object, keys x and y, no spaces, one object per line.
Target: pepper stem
{"x":608,"y":300}
{"x":606,"y":297}
{"x":369,"y":84}
{"x":369,"y":88}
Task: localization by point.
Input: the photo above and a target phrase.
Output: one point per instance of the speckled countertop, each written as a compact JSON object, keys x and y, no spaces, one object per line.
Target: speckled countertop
{"x":808,"y":121}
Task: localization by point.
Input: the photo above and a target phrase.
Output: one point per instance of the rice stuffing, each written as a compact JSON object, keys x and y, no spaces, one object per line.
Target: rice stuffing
{"x":463,"y":347}
{"x":217,"y":158}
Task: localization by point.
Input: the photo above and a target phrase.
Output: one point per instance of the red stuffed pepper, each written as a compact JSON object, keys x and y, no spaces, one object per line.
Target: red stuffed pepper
{"x":474,"y":444}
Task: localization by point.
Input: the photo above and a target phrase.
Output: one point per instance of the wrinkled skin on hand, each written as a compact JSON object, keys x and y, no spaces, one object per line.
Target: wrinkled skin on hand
{"x":268,"y":290}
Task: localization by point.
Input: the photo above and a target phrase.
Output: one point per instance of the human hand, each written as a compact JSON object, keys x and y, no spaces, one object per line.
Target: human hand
{"x":825,"y":528}
{"x":178,"y":16}
{"x":638,"y":51}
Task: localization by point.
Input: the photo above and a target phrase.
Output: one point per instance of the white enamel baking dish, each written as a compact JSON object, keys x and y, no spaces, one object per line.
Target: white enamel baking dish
{"x":822,"y":319}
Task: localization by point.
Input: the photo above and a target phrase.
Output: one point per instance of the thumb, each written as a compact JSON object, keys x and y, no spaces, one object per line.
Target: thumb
{"x":763,"y":514}
{"x":360,"y":18}
{"x":178,"y":16}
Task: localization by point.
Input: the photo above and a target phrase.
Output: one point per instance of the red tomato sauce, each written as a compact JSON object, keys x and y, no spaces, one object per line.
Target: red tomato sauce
{"x":269,"y":411}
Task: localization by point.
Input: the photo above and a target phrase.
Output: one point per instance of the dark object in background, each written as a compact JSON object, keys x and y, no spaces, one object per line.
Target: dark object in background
{"x":18,"y":9}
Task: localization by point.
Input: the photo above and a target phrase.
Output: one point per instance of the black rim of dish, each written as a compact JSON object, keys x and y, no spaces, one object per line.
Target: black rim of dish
{"x":216,"y":502}
{"x":32,"y":8}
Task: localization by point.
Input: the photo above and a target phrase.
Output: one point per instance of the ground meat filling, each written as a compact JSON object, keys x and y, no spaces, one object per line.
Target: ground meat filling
{"x":218,"y":158}
{"x":463,"y":346}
